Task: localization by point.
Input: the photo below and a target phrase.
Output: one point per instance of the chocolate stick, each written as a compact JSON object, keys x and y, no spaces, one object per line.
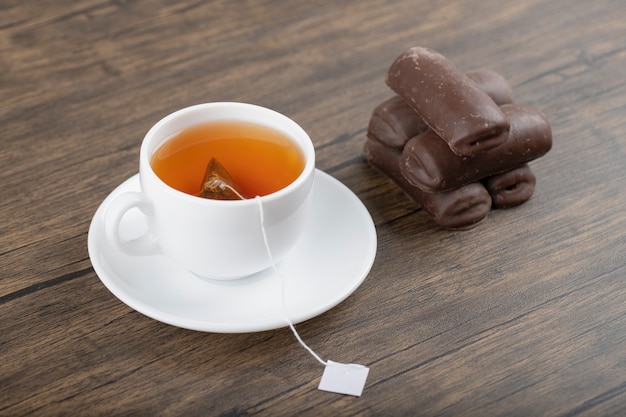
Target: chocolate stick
{"x":428,"y":163}
{"x":393,"y":122}
{"x":458,"y":209}
{"x":511,"y":188}
{"x":448,"y":101}
{"x":492,"y":83}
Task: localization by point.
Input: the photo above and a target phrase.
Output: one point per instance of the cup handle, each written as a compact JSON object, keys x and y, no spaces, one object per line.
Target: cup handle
{"x":145,"y":244}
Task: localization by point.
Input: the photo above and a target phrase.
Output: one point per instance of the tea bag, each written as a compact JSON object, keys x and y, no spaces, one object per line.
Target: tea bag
{"x":218,"y":184}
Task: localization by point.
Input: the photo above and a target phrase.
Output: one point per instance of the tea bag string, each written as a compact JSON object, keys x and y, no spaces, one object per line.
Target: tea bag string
{"x":216,"y":183}
{"x":282,"y":285}
{"x":341,"y":378}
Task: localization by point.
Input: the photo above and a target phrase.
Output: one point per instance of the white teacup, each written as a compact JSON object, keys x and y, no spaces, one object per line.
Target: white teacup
{"x":220,"y":239}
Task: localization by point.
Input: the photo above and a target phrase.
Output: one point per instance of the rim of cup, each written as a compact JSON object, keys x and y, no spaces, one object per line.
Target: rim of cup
{"x":240,"y":112}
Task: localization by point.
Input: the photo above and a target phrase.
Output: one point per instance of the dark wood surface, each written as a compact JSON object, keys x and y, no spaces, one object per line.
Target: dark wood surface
{"x":524,"y":315}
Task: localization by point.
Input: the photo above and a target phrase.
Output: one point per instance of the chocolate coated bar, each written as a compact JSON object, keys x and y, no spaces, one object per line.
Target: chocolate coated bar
{"x":493,"y":84}
{"x":394,"y":122}
{"x":428,"y":163}
{"x":458,"y":209}
{"x":448,"y":101}
{"x":511,"y":188}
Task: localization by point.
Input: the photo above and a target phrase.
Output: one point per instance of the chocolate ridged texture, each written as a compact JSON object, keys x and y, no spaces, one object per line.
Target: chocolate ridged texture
{"x":394,"y":122}
{"x":459,"y":209}
{"x":428,"y":163}
{"x":448,"y":101}
{"x":511,"y":188}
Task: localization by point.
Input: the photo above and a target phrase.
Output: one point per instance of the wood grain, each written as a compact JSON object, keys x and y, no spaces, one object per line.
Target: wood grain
{"x":523,"y":315}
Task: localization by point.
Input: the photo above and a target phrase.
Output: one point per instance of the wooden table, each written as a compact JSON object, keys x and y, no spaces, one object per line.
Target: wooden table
{"x":524,"y":315}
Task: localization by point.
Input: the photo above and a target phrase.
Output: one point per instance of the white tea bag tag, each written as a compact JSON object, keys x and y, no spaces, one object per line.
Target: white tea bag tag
{"x":344,"y":378}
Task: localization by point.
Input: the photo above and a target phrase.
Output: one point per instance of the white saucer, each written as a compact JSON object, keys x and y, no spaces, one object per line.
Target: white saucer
{"x":330,"y":261}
